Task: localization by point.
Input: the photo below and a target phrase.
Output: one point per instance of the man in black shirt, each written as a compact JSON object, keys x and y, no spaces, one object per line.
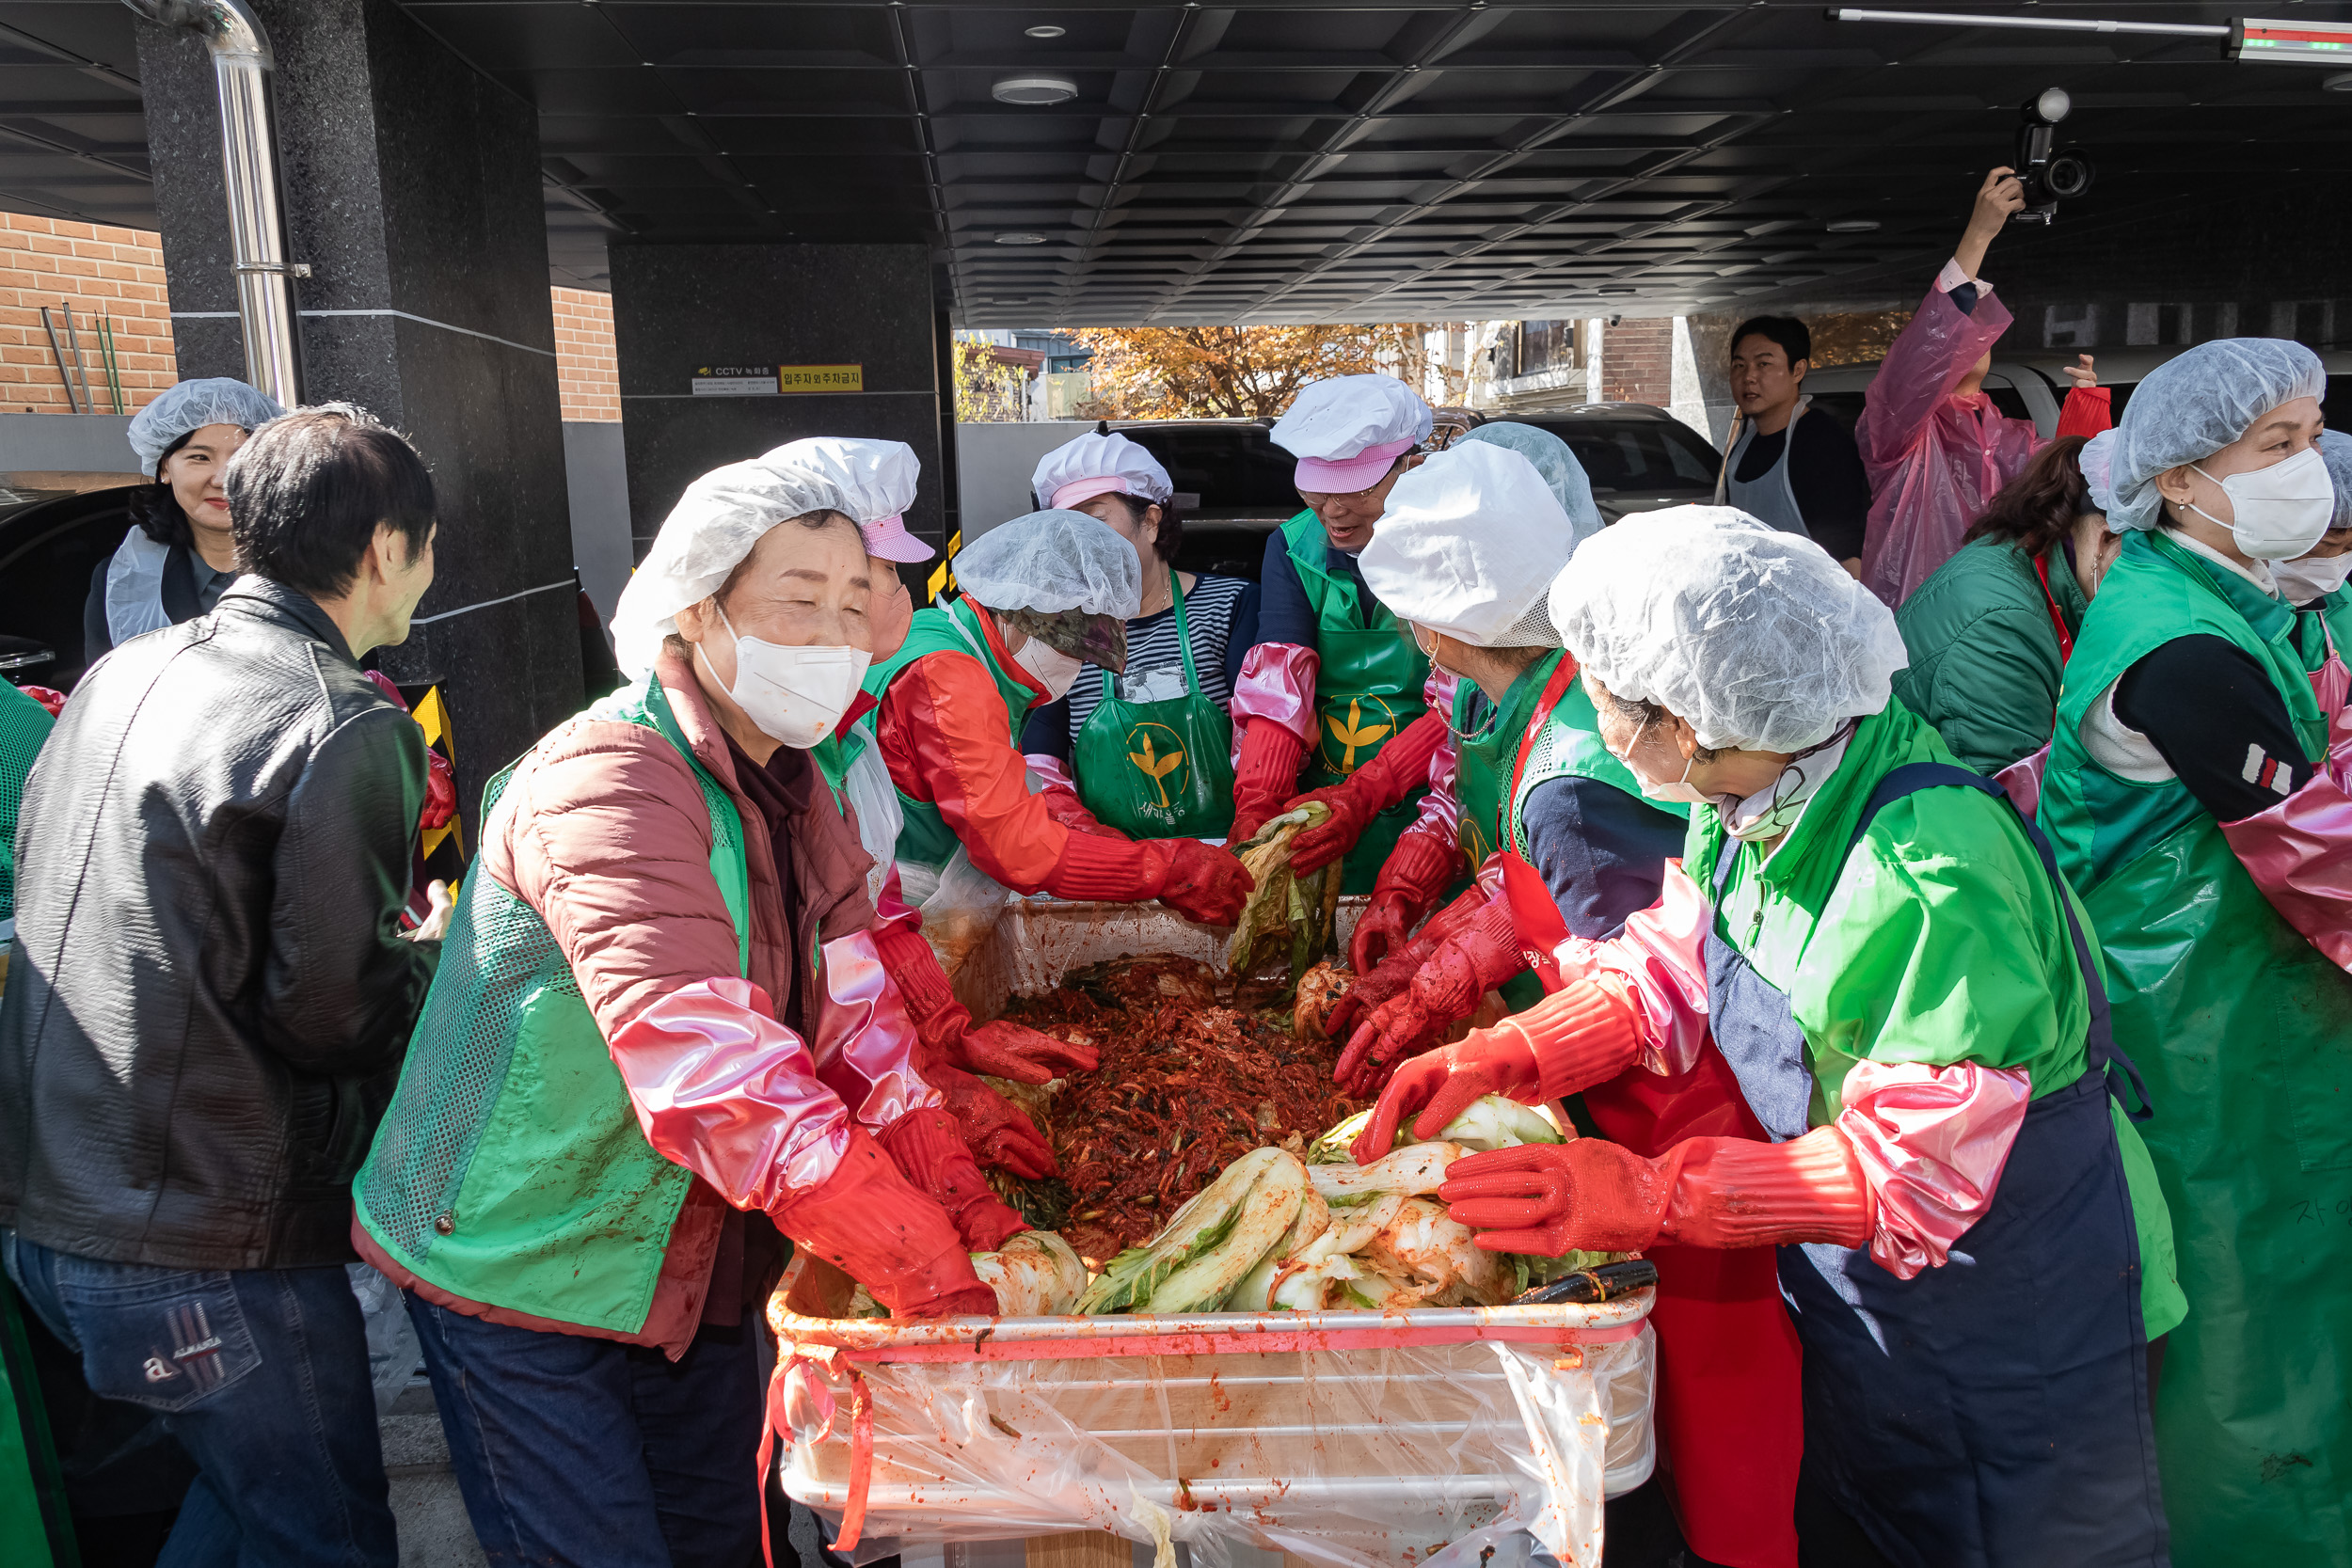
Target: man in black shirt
{"x":1799,"y":475}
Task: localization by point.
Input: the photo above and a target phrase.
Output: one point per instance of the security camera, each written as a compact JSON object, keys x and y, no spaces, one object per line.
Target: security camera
{"x":2048,"y":176}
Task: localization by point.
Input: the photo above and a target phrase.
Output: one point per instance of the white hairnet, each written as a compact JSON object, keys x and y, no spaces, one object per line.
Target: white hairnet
{"x":877,"y":478}
{"x":2093,"y":460}
{"x":710,"y":530}
{"x":2190,"y":407}
{"x":2335,"y":447}
{"x":192,"y":406}
{"x":1096,"y":465}
{"x":1052,"y":562}
{"x":1469,"y":545}
{"x":1570,"y":487}
{"x":1756,"y":637}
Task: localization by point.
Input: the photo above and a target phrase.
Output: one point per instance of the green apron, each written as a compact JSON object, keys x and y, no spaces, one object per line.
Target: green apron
{"x":926,"y":839}
{"x":1161,"y":770}
{"x":1368,"y":690}
{"x":2244,"y":1033}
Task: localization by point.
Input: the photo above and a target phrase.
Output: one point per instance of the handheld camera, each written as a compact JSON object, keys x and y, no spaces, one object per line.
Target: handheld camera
{"x":2048,"y":175}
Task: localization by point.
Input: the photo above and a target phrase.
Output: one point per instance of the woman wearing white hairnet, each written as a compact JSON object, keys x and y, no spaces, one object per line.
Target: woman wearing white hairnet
{"x":1568,"y":846}
{"x":1892,"y":971}
{"x":178,"y":560}
{"x":1043,"y":596}
{"x":661,"y":1034}
{"x":2199,"y":793}
{"x":1148,"y":750}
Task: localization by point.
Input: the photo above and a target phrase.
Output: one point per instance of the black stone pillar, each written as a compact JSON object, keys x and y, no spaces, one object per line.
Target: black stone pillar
{"x":412,"y":190}
{"x":681,"y":309}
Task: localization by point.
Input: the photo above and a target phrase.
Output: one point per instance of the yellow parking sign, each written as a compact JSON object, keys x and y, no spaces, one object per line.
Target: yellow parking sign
{"x":820,"y":378}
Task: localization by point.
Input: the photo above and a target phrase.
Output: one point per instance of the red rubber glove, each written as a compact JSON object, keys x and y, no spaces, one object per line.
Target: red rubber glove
{"x":928,"y":1148}
{"x":1025,"y":1055}
{"x":1064,"y":807}
{"x":1373,"y":788}
{"x":941,"y":1022}
{"x":47,"y":696}
{"x":1393,"y":975}
{"x":1204,"y":882}
{"x":1480,"y":955}
{"x":1000,"y":1136}
{"x":1265,"y":771}
{"x":441,"y":791}
{"x":869,"y":1222}
{"x":1580,"y":1034}
{"x":1588,"y":1192}
{"x":1412,"y":878}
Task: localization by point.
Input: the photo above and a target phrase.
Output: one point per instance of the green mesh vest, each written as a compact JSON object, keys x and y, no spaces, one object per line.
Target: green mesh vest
{"x":510,"y":1170}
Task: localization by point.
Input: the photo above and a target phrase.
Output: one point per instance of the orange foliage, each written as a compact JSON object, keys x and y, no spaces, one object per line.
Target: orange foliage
{"x":1165,"y":372}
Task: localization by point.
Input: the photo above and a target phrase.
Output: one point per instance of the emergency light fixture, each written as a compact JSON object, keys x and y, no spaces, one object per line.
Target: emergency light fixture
{"x":2249,"y":38}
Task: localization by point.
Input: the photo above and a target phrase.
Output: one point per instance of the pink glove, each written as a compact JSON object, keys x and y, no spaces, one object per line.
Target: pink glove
{"x":1588,"y":1192}
{"x":1204,"y":882}
{"x":1411,"y":880}
{"x":1480,"y":955}
{"x":992,"y":1128}
{"x":867,"y":1220}
{"x":1265,"y":771}
{"x":1581,"y":1035}
{"x":928,"y":1148}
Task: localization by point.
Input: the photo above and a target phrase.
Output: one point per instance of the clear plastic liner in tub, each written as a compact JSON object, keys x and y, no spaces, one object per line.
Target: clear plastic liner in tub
{"x":1428,"y":1438}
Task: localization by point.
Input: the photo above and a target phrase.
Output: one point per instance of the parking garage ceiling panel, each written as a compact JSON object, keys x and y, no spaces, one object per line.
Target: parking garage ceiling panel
{"x":1278,"y":161}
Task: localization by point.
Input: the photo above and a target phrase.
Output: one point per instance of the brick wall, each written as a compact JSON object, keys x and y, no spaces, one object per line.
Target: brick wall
{"x":586,"y":367}
{"x":1637,"y":362}
{"x":117,"y":272}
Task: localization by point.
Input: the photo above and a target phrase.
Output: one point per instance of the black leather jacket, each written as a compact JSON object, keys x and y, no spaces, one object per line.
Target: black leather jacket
{"x":208,"y":994}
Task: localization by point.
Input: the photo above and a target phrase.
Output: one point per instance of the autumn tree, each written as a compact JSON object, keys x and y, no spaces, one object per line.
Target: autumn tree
{"x":1163,"y":373}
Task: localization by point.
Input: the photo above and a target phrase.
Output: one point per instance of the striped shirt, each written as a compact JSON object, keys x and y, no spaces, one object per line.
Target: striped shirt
{"x":1223,"y":614}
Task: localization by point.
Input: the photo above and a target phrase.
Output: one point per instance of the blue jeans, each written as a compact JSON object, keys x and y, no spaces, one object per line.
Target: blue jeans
{"x":573,"y":1450}
{"x":263,"y":1376}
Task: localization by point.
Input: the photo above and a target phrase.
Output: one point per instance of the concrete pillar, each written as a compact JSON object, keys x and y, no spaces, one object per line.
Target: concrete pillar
{"x":413,"y":191}
{"x":681,"y":311}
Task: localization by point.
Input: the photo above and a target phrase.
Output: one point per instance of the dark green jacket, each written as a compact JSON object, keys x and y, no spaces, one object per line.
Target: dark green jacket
{"x":1984,"y":656}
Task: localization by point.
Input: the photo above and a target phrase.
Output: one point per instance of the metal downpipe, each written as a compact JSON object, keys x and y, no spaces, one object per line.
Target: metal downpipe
{"x":256,"y":223}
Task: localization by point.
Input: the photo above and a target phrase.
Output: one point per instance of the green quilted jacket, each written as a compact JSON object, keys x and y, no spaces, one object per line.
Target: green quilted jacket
{"x":1984,"y":656}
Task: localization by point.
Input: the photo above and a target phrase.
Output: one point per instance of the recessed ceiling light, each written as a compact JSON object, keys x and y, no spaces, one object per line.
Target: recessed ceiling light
{"x":1854,"y":225}
{"x":1045,"y":32}
{"x":1035,"y":90}
{"x":1020,"y":239}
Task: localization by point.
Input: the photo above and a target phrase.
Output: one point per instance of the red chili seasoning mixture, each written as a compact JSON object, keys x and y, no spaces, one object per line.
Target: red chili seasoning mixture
{"x":1187,"y":1086}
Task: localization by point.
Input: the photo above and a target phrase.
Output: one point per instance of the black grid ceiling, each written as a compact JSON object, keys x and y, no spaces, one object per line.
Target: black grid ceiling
{"x":1282,"y":161}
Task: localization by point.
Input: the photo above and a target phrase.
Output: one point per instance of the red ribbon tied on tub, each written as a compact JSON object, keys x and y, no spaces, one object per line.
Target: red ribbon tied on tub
{"x":800,"y":1383}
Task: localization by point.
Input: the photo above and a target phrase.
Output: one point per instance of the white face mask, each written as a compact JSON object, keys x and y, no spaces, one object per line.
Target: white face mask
{"x":2281,"y":511}
{"x":2311,"y":576}
{"x":794,"y":694}
{"x":1053,"y":668}
{"x":1681,"y":789}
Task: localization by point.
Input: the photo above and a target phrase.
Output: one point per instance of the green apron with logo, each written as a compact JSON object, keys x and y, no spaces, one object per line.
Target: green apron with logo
{"x":2243,"y":1030}
{"x":510,"y":1168}
{"x":1368,"y":690}
{"x":1158,"y":770}
{"x":926,"y":839}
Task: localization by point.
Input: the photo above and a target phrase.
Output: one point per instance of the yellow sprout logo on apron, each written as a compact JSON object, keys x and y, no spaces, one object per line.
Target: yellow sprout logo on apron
{"x":1165,"y":766}
{"x":1361,"y":731}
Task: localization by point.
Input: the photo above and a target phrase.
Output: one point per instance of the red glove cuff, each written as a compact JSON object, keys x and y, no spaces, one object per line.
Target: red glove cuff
{"x":1735,"y":1192}
{"x":940,"y":1020}
{"x":927,"y":1148}
{"x":1581,"y":1035}
{"x":869,"y":1222}
{"x":1266,"y":768}
{"x":1419,"y":869}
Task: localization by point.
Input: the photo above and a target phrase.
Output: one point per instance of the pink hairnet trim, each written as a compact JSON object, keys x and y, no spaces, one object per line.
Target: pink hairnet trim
{"x":866,"y":1041}
{"x":1932,"y":1141}
{"x":1050,"y":772}
{"x":1441,"y":808}
{"x":724,"y":1089}
{"x":1663,"y":953}
{"x":1079,"y":490}
{"x":2022,"y":779}
{"x":1278,"y":684}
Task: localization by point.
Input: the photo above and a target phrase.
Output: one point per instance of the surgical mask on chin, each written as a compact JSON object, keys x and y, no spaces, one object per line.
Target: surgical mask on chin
{"x":1681,"y":789}
{"x":1053,"y":669}
{"x":2308,"y":578}
{"x":794,"y":695}
{"x":2281,"y":511}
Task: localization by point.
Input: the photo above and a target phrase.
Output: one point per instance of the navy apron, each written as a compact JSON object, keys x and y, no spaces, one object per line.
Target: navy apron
{"x":1994,"y":1410}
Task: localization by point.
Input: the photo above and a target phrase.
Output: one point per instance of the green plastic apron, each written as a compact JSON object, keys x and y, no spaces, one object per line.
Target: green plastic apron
{"x":1368,"y":690}
{"x":1161,"y":770}
{"x":1483,"y":763}
{"x":2244,"y":1033}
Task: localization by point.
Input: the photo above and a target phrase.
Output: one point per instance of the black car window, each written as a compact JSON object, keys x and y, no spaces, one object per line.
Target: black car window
{"x":1637,"y":454}
{"x":1233,"y":468}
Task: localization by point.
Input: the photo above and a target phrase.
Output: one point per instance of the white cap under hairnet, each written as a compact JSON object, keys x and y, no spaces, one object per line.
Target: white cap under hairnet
{"x":1756,"y":637}
{"x":190,"y":406}
{"x":1099,"y":465}
{"x":2335,"y":447}
{"x":1052,"y":562}
{"x":2190,"y":407}
{"x":1553,"y":459}
{"x":708,"y":533}
{"x":879,"y":480}
{"x":1469,"y":545}
{"x":2093,"y":460}
{"x":1348,"y":431}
